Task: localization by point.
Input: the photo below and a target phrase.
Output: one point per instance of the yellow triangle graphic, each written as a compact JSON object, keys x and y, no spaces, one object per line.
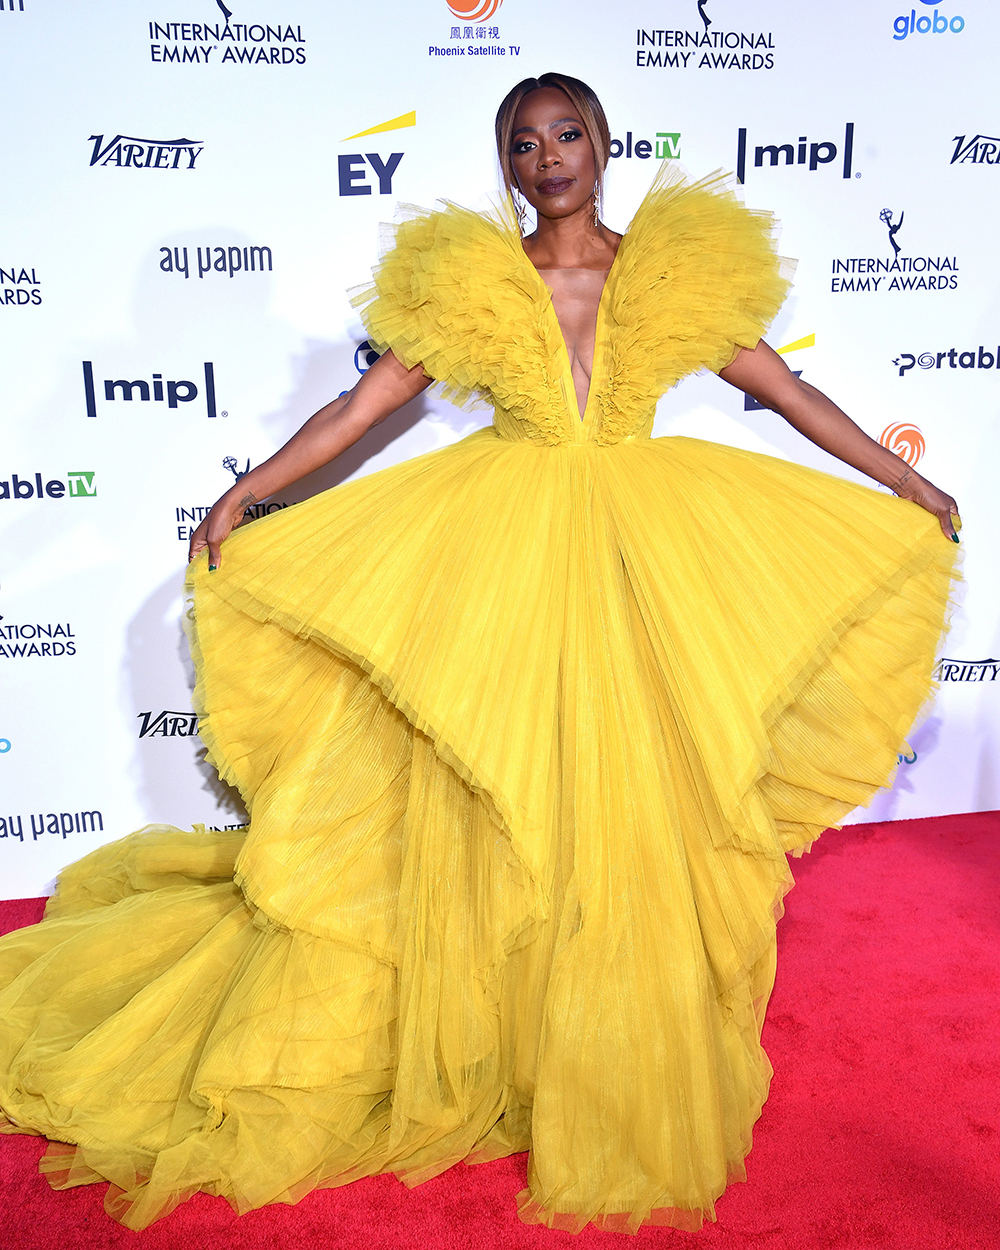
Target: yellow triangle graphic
{"x":397,"y":123}
{"x":808,"y":341}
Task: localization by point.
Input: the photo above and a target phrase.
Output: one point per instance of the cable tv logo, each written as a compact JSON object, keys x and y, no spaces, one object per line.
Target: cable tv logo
{"x":156,"y":390}
{"x":79,"y":485}
{"x":666,"y":147}
{"x":128,"y":152}
{"x":802,"y":151}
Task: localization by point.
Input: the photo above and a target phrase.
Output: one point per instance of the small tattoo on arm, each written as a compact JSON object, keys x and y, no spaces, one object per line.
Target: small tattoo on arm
{"x":903,"y":479}
{"x":248,"y":499}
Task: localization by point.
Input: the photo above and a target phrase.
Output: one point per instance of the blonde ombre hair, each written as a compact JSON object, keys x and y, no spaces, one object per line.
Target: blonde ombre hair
{"x":584,"y":100}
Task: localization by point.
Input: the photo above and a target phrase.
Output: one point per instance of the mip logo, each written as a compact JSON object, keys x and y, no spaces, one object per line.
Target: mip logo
{"x":351,"y":171}
{"x":473,"y":10}
{"x":939,"y":24}
{"x":156,"y":390}
{"x":128,"y":152}
{"x":802,"y":152}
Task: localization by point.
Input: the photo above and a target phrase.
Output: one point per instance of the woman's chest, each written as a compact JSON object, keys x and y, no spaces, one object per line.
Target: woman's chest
{"x":576,"y":297}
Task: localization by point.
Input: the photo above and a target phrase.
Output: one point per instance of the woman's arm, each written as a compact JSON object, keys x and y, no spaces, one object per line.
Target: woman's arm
{"x":386,"y":386}
{"x":764,"y":375}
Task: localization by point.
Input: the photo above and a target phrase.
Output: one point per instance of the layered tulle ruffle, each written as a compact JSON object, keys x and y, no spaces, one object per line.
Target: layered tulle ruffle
{"x":524,"y":734}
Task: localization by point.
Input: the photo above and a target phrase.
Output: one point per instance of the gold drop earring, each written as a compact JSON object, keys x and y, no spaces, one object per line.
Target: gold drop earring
{"x":519,"y":208}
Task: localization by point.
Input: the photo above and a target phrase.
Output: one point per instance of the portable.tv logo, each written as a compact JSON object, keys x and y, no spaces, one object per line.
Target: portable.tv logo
{"x":156,"y":390}
{"x":130,"y":152}
{"x":952,"y":358}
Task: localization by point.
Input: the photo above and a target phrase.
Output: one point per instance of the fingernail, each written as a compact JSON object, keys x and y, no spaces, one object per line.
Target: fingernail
{"x":955,"y":538}
{"x":213,"y":567}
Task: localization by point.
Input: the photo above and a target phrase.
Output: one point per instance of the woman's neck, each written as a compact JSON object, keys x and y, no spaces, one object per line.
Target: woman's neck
{"x":572,"y":242}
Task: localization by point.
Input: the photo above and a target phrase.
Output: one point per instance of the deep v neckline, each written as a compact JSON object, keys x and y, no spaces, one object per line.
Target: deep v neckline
{"x":579,"y":420}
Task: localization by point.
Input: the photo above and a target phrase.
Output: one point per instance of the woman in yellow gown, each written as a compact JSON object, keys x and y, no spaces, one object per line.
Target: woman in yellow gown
{"x":525,"y":728}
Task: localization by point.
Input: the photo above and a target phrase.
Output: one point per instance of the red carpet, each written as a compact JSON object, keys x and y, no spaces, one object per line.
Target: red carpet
{"x":882,"y":1129}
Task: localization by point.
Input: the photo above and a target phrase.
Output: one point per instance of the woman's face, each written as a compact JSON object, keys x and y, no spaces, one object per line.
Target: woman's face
{"x":552,"y":154}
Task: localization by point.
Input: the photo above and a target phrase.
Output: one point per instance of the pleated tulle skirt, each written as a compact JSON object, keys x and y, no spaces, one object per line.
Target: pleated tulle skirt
{"x":525,"y":734}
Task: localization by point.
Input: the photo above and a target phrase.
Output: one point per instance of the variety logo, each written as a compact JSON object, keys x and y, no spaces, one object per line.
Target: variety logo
{"x":19,"y":287}
{"x":705,"y":48}
{"x":802,"y":152}
{"x":353,"y":168}
{"x":155,"y":390}
{"x":231,"y":260}
{"x":128,"y":152}
{"x":905,"y":440}
{"x":981,"y":359}
{"x":168,"y":724}
{"x":966,"y":670}
{"x":666,"y":146}
{"x":188,"y":519}
{"x":753,"y":405}
{"x":896,"y":272}
{"x":939,"y":24}
{"x":50,"y":822}
{"x":24,"y":641}
{"x":77,"y":486}
{"x":226,"y":42}
{"x":980,"y":150}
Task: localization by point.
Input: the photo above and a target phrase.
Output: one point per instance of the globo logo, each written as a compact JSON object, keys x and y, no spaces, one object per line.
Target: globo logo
{"x":939,"y":24}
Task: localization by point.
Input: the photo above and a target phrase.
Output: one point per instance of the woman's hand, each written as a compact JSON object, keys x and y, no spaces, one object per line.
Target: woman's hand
{"x":223,"y":517}
{"x":910,"y":485}
{"x":386,"y":386}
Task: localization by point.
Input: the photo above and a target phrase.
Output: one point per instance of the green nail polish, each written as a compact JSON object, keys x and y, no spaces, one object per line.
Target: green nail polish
{"x":213,"y":567}
{"x":955,"y":538}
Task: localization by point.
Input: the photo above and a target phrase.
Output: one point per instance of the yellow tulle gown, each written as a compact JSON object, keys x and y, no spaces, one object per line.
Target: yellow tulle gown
{"x":525,"y":728}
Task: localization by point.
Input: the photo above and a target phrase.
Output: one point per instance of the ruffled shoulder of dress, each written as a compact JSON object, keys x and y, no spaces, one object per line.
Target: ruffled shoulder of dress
{"x":453,"y":293}
{"x":697,"y":277}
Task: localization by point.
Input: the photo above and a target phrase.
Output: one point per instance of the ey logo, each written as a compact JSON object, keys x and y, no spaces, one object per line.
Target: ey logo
{"x":351,"y":167}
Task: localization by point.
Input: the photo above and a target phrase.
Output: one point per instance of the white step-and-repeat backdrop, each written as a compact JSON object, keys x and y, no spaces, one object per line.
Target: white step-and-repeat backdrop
{"x":191,"y":185}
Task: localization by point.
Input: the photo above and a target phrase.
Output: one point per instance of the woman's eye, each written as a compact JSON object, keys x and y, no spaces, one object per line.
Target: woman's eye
{"x":570,"y":134}
{"x":524,"y":146}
